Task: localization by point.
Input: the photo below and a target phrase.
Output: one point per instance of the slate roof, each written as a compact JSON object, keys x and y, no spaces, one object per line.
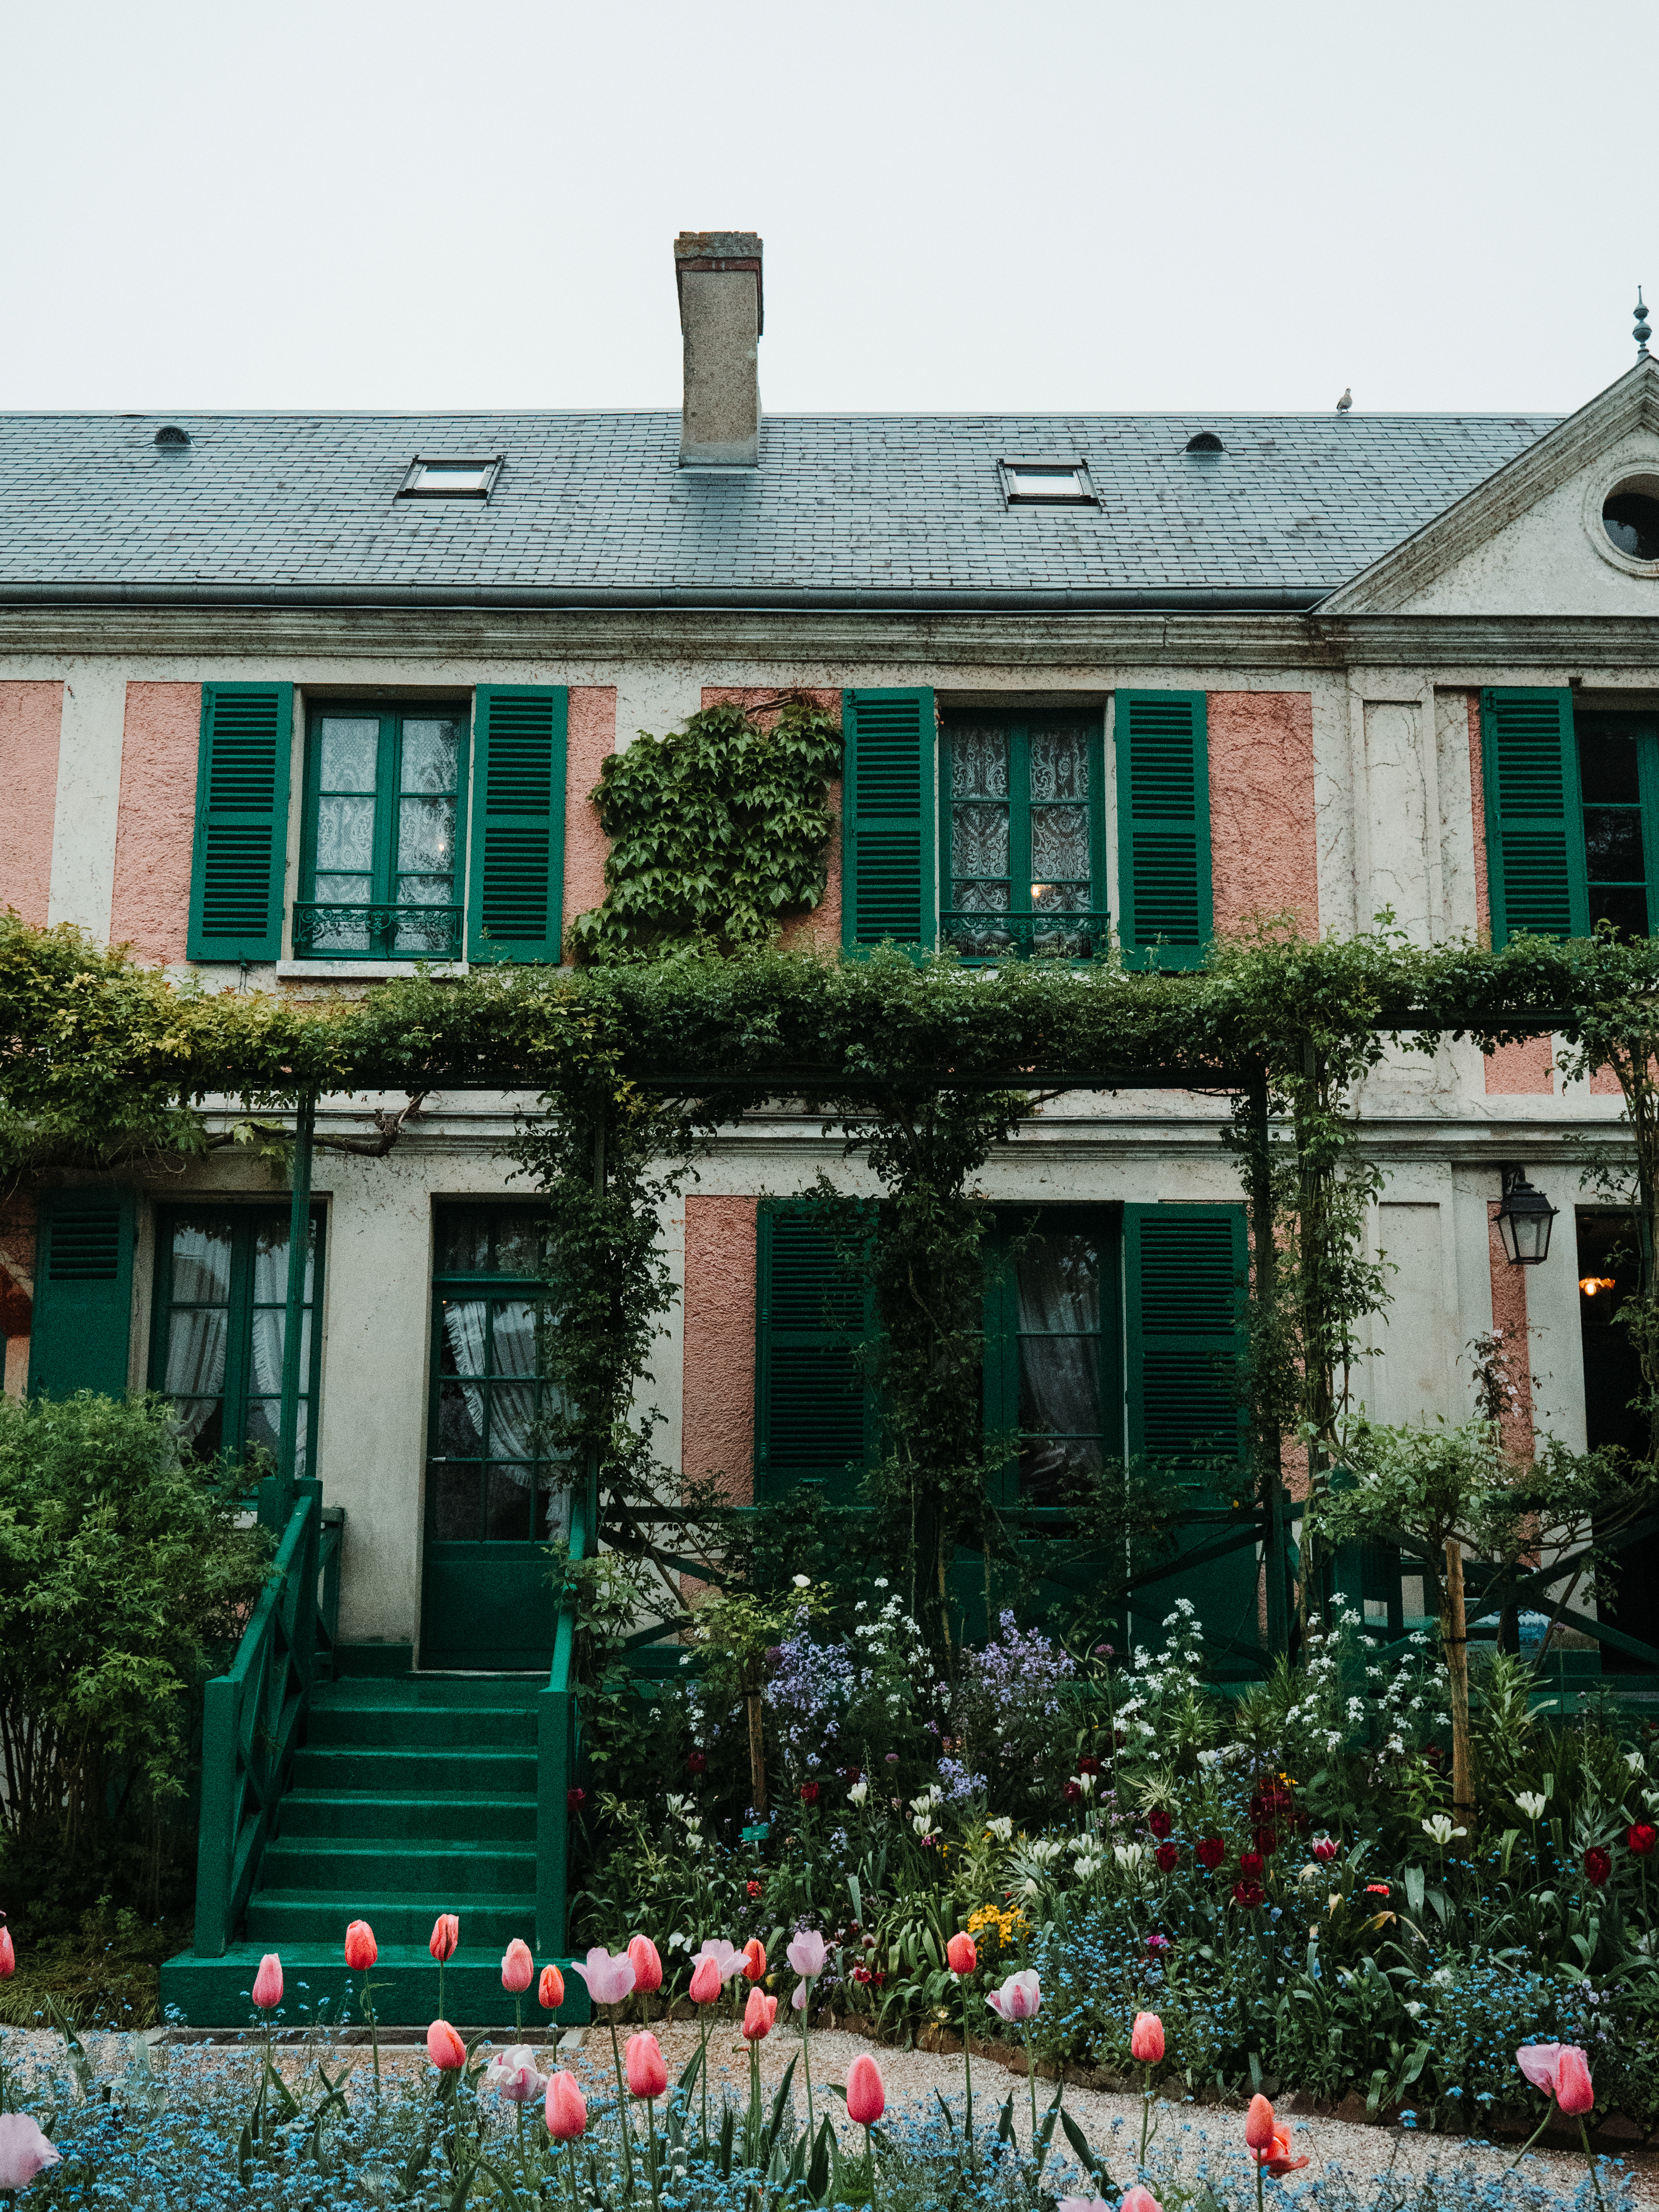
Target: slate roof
{"x":848,"y":510}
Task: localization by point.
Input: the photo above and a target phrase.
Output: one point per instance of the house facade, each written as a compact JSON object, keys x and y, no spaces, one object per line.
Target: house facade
{"x":292,"y":703}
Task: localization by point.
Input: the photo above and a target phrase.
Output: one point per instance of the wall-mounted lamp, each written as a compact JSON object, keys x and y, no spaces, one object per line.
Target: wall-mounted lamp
{"x":1523,"y":1220}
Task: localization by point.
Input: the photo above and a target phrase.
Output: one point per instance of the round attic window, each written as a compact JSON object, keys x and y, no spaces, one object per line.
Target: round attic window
{"x":171,"y":438}
{"x":1630,"y":516}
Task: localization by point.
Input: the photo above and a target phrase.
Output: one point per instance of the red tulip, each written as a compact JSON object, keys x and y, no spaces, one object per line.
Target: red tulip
{"x":565,"y":2109}
{"x":1210,"y":1853}
{"x":706,"y":1983}
{"x":758,"y":2014}
{"x":360,"y":1949}
{"x":647,"y":2075}
{"x":444,"y":2047}
{"x":1249,"y":1894}
{"x":1147,"y":2039}
{"x":1249,"y":1865}
{"x":754,"y":1953}
{"x":445,"y":1935}
{"x":1159,"y":1822}
{"x":1597,"y":1866}
{"x":1641,"y":1839}
{"x":1573,"y":2092}
{"x":1168,"y":1857}
{"x":1268,"y":2144}
{"x":518,"y":1967}
{"x":7,"y":1956}
{"x":1324,"y":1851}
{"x":961,"y":1955}
{"x":866,"y":2099}
{"x":268,"y":1983}
{"x":1259,"y":2125}
{"x":551,"y":1994}
{"x":647,"y":1966}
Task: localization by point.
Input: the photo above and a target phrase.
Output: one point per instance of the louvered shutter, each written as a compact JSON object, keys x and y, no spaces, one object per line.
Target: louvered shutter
{"x":890,"y":854}
{"x":1535,"y":867}
{"x":1163,"y":826}
{"x":241,"y":822}
{"x":516,"y":887}
{"x":1184,"y":1270}
{"x":83,"y":1294}
{"x":814,"y":1410}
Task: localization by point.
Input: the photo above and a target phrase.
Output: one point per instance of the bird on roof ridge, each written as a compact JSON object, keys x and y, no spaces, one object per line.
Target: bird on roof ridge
{"x":1346,"y":401}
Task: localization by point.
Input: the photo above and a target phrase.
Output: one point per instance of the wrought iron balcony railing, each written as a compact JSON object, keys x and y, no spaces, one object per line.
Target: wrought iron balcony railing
{"x":1051,"y":936}
{"x":376,"y":932}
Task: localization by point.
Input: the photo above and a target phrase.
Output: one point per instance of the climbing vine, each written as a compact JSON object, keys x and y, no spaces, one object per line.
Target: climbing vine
{"x":719,"y":832}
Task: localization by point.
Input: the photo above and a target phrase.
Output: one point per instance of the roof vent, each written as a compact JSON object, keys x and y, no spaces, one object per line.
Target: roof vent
{"x":1206,"y":442}
{"x":171,"y":438}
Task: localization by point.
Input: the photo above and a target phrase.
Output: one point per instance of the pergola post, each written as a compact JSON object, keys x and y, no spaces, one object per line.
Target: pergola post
{"x":298,"y":1248}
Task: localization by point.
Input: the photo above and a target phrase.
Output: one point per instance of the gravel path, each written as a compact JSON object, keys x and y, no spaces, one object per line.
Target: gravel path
{"x":912,"y":2080}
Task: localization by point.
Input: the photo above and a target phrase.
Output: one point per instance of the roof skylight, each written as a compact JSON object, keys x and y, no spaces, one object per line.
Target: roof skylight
{"x":432,"y":476}
{"x":1048,"y":484}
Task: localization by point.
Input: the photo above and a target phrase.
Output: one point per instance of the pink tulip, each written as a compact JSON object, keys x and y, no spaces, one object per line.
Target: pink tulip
{"x":961,"y":1955}
{"x":1136,"y":2201}
{"x":1540,"y":2062}
{"x":727,"y":1956}
{"x":1147,"y":2039}
{"x":361,"y":1948}
{"x":808,"y":1953}
{"x":1020,"y":1997}
{"x":1573,"y":2093}
{"x":706,"y":1983}
{"x":647,"y":1966}
{"x":1140,"y":2199}
{"x":866,"y":2099}
{"x":609,"y":1980}
{"x":647,"y":2075}
{"x":446,"y":1936}
{"x":1259,"y":2125}
{"x":444,"y":2047}
{"x":7,"y":1956}
{"x":518,"y":1967}
{"x":268,"y":1983}
{"x":758,"y":2015}
{"x":754,"y":1959}
{"x":24,"y":2151}
{"x":566,"y":2108}
{"x":550,"y":1993}
{"x":516,"y":2076}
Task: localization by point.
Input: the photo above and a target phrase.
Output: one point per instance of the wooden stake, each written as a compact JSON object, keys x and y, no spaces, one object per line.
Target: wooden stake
{"x":1454,"y":1629}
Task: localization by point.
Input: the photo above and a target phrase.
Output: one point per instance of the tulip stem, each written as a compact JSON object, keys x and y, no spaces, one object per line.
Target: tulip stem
{"x":1258,"y":2182}
{"x":702,"y":2067}
{"x":570,"y":2169}
{"x":806,"y":2049}
{"x":442,"y":2014}
{"x":1145,"y":2108}
{"x":752,"y":2139}
{"x":1595,"y":2179}
{"x":367,"y":1993}
{"x":650,"y":2128}
{"x":1031,"y":2077}
{"x":968,"y":2073}
{"x":870,"y":2154}
{"x":621,"y":2106}
{"x":1532,"y":2138}
{"x":518,"y":2012}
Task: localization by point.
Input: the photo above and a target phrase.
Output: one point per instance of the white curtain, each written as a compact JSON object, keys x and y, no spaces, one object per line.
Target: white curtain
{"x":1058,"y":1286}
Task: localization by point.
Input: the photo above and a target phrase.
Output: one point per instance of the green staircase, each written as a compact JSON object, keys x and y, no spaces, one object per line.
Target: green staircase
{"x":411,"y":1795}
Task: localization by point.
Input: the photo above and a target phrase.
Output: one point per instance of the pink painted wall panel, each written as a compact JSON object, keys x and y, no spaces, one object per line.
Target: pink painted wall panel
{"x":718,"y":1411}
{"x":31,"y":720}
{"x":153,"y":835}
{"x":591,"y":738}
{"x":1264,"y":852}
{"x":822,"y":925}
{"x":1526,"y":1068}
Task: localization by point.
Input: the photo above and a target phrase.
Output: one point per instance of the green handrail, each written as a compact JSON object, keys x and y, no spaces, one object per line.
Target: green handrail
{"x":253,"y":1720}
{"x":555,"y":1757}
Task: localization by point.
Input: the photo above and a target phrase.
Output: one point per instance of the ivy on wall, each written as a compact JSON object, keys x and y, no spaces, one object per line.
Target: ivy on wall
{"x":718,"y":833}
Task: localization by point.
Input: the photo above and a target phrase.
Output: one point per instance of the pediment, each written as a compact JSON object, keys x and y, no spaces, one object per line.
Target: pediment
{"x":1530,"y":540}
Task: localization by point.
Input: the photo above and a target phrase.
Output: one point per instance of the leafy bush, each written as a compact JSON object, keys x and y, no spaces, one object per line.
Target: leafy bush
{"x":122,"y":1571}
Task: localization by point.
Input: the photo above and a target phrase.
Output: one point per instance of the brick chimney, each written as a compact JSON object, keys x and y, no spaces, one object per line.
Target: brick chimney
{"x":719,"y":275}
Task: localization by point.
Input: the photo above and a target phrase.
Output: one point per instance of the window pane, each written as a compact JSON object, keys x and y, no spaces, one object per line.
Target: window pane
{"x":195,"y":1374}
{"x":433,"y":939}
{"x":520,"y":1241}
{"x":265,"y":1350}
{"x":1059,"y":764}
{"x":454,"y":1494}
{"x":339,"y":933}
{"x":1050,"y":1466}
{"x":979,"y":764}
{"x":463,"y":1240}
{"x":270,"y":1263}
{"x":432,"y":752}
{"x":460,"y":1413}
{"x":1060,"y":844}
{"x":425,"y":833}
{"x":507,"y":1503}
{"x":1059,"y":1385}
{"x":201,"y":1261}
{"x":1625,"y":908}
{"x":979,"y":847}
{"x":1612,"y":843}
{"x":466,"y":1336}
{"x":345,"y":834}
{"x":350,"y":754}
{"x":265,"y":1426}
{"x":1057,"y":1281}
{"x":1607,"y":762}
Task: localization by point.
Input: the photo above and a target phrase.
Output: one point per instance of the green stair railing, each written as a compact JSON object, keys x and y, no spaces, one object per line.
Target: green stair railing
{"x":557,"y":1742}
{"x":253,"y":1716}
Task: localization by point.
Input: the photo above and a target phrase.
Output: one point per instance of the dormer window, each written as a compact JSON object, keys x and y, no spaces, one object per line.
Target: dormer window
{"x":434,"y":477}
{"x":1048,"y":484}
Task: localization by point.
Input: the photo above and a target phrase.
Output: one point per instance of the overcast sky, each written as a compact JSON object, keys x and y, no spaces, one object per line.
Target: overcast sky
{"x":967,"y":204}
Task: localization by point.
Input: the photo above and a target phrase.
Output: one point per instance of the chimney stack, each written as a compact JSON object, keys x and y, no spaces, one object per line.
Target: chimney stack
{"x":719,"y":275}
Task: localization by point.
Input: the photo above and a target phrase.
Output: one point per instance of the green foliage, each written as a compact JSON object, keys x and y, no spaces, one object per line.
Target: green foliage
{"x":122,"y":1573}
{"x":718,"y":832}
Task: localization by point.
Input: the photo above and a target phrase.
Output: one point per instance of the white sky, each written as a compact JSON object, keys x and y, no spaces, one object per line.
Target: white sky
{"x":967,"y":204}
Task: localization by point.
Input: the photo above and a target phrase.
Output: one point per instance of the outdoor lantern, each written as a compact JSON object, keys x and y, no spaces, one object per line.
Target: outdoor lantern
{"x":1523,"y":1220}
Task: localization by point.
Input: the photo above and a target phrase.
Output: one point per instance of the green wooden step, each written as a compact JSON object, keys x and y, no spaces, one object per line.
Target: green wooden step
{"x":338,"y":1866}
{"x":496,"y":1772}
{"x":460,"y":1817}
{"x":420,"y":1728}
{"x":429,"y":1690}
{"x":278,"y":1917}
{"x":213,"y":1992}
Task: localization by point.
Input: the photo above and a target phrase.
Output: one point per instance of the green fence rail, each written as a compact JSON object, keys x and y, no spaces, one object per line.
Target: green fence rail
{"x":557,"y":1748}
{"x":253,"y":1716}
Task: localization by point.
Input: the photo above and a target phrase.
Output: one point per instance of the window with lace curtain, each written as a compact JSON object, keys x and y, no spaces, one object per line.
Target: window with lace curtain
{"x":379,"y":872}
{"x":1022,"y":832}
{"x":220,"y":1318}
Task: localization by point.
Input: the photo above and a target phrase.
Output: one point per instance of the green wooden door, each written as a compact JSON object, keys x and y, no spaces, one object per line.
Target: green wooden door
{"x":493,"y":1502}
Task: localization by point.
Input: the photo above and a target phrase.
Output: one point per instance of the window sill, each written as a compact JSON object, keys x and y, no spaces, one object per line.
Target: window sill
{"x":364,"y":971}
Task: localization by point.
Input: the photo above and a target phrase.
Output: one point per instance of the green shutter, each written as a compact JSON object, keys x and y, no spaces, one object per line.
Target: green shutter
{"x":1164,"y":827}
{"x":891,"y":834}
{"x":241,"y":822}
{"x":814,"y":1409}
{"x":83,"y":1294}
{"x":1535,"y":866}
{"x":515,"y":888}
